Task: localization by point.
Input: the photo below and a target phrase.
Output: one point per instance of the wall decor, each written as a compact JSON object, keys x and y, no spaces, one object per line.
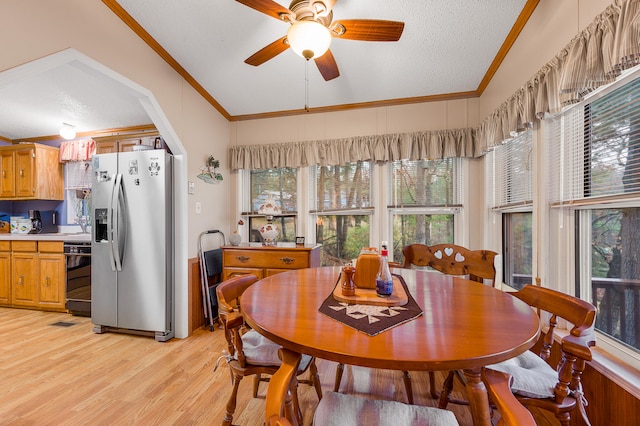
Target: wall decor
{"x":209,"y":173}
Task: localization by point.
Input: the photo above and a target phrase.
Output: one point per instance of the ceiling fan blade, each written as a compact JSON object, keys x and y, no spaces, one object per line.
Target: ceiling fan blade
{"x":268,"y":7}
{"x":268,"y":52}
{"x":327,"y":66}
{"x":367,"y":29}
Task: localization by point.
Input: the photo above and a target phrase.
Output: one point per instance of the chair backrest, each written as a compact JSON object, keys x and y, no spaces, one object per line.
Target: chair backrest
{"x":581,"y":314}
{"x":228,"y":293}
{"x":452,"y":259}
{"x":575,"y":347}
{"x":279,"y":396}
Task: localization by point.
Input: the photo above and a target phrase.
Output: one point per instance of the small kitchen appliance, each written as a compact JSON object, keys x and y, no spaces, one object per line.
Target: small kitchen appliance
{"x":43,"y":222}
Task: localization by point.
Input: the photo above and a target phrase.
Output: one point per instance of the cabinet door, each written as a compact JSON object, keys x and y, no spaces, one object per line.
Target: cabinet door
{"x":5,"y":278}
{"x":127,"y":145}
{"x":106,"y":147}
{"x":25,"y":279}
{"x":25,"y":167}
{"x":52,"y":279}
{"x":7,"y":174}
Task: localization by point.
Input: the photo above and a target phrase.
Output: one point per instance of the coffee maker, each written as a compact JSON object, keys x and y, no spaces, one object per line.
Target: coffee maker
{"x":43,"y":221}
{"x":36,"y":221}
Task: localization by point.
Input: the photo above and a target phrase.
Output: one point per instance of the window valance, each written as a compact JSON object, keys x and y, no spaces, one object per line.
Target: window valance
{"x":391,"y":147}
{"x":596,"y":56}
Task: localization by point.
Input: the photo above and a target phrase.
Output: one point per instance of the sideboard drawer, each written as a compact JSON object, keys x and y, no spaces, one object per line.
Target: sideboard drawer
{"x":262,"y":259}
{"x":238,"y":260}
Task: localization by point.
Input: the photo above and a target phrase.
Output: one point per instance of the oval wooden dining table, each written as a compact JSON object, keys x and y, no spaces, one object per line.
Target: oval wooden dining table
{"x":465,"y":325}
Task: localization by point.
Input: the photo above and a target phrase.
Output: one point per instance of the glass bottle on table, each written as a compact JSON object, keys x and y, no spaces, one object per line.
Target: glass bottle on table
{"x":384,"y":280}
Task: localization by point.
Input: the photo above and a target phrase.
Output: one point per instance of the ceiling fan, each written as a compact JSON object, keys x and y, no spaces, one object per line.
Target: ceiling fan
{"x":311,"y":22}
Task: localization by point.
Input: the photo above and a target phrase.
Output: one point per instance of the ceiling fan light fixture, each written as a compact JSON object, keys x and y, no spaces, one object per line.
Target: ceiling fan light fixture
{"x":67,"y":131}
{"x":309,"y":39}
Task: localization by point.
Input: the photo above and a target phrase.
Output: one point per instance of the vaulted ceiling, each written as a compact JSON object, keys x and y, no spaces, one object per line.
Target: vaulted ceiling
{"x":449,"y":49}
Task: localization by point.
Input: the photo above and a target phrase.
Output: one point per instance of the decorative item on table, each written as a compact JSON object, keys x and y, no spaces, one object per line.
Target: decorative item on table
{"x":209,"y":173}
{"x":270,"y":231}
{"x":367,"y":268}
{"x":348,"y":288}
{"x":384,"y":280}
{"x":235,"y":238}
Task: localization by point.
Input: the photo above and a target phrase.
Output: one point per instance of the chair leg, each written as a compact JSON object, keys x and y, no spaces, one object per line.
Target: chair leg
{"x":315,"y":378}
{"x":432,"y":386}
{"x":407,"y":386}
{"x":447,"y":387}
{"x":564,"y":418}
{"x":256,"y":384}
{"x":339,"y":371}
{"x":231,"y":404}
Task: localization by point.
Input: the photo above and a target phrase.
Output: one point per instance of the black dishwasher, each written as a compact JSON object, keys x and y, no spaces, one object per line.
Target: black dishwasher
{"x":78,"y":257}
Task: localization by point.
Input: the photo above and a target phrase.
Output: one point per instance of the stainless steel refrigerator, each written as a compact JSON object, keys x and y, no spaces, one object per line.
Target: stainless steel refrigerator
{"x":132,"y":243}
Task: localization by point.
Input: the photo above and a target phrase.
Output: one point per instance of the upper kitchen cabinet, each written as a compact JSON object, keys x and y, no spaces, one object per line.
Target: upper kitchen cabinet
{"x":31,"y":172}
{"x":108,"y":144}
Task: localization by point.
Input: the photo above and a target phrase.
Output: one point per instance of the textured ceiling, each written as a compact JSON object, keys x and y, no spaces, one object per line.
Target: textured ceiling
{"x":447,"y":48}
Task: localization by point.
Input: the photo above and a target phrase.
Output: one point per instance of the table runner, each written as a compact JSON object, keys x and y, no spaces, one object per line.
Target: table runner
{"x":371,"y":319}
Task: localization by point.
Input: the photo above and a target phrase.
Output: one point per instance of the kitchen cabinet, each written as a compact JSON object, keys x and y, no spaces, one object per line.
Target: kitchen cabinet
{"x":31,"y":172}
{"x":109,"y":144}
{"x":38,"y":275}
{"x":5,"y":273}
{"x":24,"y":271}
{"x":263,"y":261}
{"x":52,"y":276}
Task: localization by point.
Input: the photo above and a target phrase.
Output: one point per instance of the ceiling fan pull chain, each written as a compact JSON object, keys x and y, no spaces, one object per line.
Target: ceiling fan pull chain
{"x":306,"y":85}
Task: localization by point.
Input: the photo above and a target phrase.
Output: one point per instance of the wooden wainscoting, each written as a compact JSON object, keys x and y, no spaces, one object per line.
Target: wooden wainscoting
{"x":196,"y":311}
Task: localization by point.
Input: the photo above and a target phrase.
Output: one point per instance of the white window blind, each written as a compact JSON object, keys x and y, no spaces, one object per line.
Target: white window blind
{"x":344,"y":188}
{"x":594,"y":148}
{"x":425,"y":183}
{"x":511,"y":172}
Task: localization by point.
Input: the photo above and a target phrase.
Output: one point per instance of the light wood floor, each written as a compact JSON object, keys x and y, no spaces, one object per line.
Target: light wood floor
{"x":58,"y":375}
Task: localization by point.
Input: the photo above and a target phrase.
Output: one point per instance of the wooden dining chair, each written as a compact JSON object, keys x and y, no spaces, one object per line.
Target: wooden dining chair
{"x":250,"y":353}
{"x":450,"y":259}
{"x":557,"y":386}
{"x":346,"y":410}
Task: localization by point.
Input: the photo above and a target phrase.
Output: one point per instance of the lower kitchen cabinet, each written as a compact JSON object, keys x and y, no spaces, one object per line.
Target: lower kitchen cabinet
{"x":263,"y":261}
{"x":5,"y":273}
{"x":52,"y":281}
{"x":38,"y":275}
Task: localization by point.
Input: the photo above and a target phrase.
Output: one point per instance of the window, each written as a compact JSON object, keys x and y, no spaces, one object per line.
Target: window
{"x":595,"y":171}
{"x":343,"y":209}
{"x":279,"y":184}
{"x":424,"y":199}
{"x":511,"y":196}
{"x":78,"y":191}
{"x":614,"y":275}
{"x":517,"y":248}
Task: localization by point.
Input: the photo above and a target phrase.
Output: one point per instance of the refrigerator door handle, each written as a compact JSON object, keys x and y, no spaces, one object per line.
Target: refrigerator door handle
{"x":119,"y":218}
{"x":110,"y":224}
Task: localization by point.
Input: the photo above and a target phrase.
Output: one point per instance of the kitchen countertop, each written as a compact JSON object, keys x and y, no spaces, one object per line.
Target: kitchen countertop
{"x":61,"y":236}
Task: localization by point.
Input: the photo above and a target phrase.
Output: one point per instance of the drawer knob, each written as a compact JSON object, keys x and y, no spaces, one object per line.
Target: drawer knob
{"x":242,"y":258}
{"x":287,"y":260}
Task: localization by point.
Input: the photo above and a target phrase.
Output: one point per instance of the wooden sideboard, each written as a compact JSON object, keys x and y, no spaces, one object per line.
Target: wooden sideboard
{"x":262,"y":261}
